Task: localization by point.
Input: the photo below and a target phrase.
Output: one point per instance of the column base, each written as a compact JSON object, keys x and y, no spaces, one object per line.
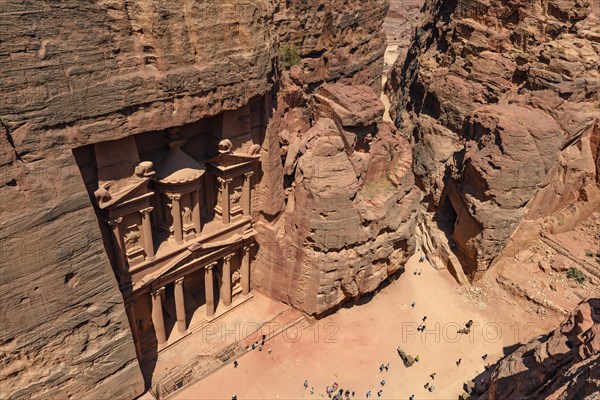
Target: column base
{"x":181,"y":326}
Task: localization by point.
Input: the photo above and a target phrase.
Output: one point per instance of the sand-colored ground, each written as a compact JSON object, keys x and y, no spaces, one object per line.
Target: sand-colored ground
{"x":348,"y":347}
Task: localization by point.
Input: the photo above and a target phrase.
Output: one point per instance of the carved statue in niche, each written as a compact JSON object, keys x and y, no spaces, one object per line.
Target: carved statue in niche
{"x":236,"y":280}
{"x":187,"y":216}
{"x":236,"y":195}
{"x":132,"y":238}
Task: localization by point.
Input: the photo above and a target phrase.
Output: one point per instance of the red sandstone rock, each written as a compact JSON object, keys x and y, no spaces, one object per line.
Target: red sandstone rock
{"x":351,"y":210}
{"x":560,"y":365}
{"x":501,"y":98}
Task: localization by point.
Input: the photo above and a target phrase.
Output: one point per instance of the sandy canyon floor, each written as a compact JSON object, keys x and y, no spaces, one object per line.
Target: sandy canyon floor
{"x":349,"y":346}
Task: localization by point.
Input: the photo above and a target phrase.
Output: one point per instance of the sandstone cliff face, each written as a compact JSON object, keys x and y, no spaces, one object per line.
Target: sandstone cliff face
{"x":339,"y":202}
{"x":339,"y":40}
{"x":560,"y":365}
{"x":77,"y":73}
{"x":74,"y":74}
{"x":350,"y":203}
{"x":501,"y":98}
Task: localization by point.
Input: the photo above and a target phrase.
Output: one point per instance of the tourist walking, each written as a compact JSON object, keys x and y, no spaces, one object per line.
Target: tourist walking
{"x":413,"y":304}
{"x":387,"y":366}
{"x":382,"y":382}
{"x":458,"y":362}
{"x":305,"y":384}
{"x":368,"y":394}
{"x":432,"y":376}
{"x":235,"y":364}
{"x":379,"y":393}
{"x":381,"y":367}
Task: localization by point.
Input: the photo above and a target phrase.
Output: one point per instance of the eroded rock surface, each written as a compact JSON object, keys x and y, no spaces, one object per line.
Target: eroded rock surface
{"x":502,"y":100}
{"x":560,"y":365}
{"x":351,"y":202}
{"x":339,"y":40}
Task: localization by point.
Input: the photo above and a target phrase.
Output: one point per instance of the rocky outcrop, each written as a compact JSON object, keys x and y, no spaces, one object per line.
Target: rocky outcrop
{"x":560,"y":365}
{"x":351,"y":202}
{"x":501,"y":99}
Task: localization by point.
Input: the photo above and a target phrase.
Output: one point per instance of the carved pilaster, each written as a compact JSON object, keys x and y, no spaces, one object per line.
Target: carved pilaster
{"x":226,"y":286}
{"x":247,"y":194}
{"x":225,"y":200}
{"x":157,"y":315}
{"x":196,"y":212}
{"x":176,"y":214}
{"x":118,"y":244}
{"x":147,"y":232}
{"x":245,"y":268}
{"x":209,"y":285}
{"x":180,"y":305}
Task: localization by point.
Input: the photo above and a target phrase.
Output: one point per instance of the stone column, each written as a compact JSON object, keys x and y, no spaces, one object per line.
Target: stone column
{"x":209,"y":285}
{"x":176,"y":214}
{"x":157,"y":316}
{"x":119,"y":245}
{"x":245,"y":269}
{"x":196,"y":212}
{"x":134,"y":328}
{"x":147,"y":232}
{"x":226,"y":287}
{"x":225,"y":199}
{"x":180,"y":305}
{"x":247,"y":194}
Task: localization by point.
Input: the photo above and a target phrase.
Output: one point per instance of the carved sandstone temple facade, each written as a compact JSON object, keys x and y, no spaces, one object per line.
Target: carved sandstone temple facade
{"x":179,"y":233}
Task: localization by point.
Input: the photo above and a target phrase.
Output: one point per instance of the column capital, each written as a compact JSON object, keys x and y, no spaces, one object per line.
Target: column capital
{"x":228,"y":257}
{"x":115,"y":221}
{"x":157,"y":292}
{"x":146,"y":210}
{"x":248,"y":246}
{"x":247,"y":175}
{"x":210,"y":266}
{"x":224,"y":181}
{"x":179,"y":281}
{"x":174,"y":196}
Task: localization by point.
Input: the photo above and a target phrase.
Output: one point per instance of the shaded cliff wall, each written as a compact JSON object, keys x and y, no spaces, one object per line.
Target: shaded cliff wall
{"x":501,"y":99}
{"x":73,"y":74}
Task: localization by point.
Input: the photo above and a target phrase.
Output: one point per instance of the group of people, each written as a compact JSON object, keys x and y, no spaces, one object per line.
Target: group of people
{"x":258,"y":344}
{"x":334,"y":391}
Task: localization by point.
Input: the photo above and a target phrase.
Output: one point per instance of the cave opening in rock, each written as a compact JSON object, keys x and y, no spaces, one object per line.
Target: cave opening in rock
{"x":446,"y":218}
